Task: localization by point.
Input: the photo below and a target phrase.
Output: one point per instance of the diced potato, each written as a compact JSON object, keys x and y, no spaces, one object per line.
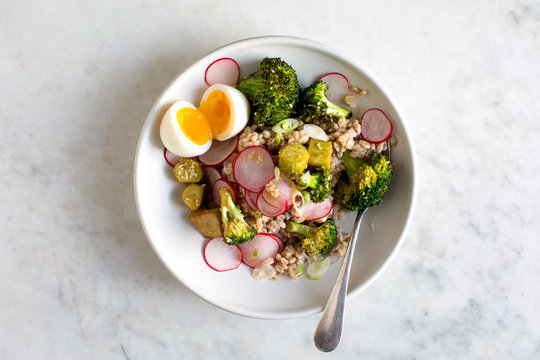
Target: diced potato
{"x":293,"y":158}
{"x":208,"y":222}
{"x":193,"y":195}
{"x":188,"y":171}
{"x":320,"y":153}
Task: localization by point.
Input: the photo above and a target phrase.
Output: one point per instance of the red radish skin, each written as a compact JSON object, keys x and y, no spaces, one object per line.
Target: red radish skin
{"x":315,"y":211}
{"x":338,"y":86}
{"x":280,"y":243}
{"x":257,"y":251}
{"x":253,"y":167}
{"x":285,"y":191}
{"x":222,"y":71}
{"x":212,"y":175}
{"x":219,"y":152}
{"x":375,"y":126}
{"x":170,"y":158}
{"x":221,"y":256}
{"x":278,"y":239}
{"x":277,"y":202}
{"x":268,"y":210}
{"x":225,"y":184}
{"x":251,"y":199}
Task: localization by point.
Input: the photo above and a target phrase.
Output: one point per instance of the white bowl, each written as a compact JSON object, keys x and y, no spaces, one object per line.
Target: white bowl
{"x":179,"y":245}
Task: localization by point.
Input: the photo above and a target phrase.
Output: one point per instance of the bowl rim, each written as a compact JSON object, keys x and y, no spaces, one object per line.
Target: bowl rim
{"x":300,"y":41}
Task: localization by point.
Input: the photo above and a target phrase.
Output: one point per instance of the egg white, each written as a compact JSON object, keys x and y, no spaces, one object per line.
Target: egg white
{"x":174,"y":138}
{"x":239,"y":107}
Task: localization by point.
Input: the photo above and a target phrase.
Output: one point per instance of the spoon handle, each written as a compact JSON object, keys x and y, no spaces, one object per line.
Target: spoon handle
{"x":328,"y":332}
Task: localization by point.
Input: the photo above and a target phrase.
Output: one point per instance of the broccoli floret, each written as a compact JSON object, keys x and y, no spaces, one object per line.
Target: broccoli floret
{"x":318,"y":183}
{"x":235,"y":228}
{"x":273,"y":91}
{"x":367,"y":182}
{"x":315,"y":106}
{"x":318,"y":239}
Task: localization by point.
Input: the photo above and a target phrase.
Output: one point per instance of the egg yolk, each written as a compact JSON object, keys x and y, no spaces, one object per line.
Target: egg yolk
{"x":194,"y":125}
{"x":217,"y":109}
{"x":209,"y":120}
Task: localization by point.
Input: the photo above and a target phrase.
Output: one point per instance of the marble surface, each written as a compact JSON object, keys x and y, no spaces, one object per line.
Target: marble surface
{"x":79,"y":279}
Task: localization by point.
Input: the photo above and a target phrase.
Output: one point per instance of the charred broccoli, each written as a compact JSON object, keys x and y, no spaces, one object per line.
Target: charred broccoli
{"x":235,"y":228}
{"x":318,"y":239}
{"x":273,"y":91}
{"x":367,"y":182}
{"x":313,"y":104}
{"x":318,"y":183}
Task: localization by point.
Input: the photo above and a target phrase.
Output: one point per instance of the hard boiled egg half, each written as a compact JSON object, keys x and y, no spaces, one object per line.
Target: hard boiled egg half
{"x":188,"y":131}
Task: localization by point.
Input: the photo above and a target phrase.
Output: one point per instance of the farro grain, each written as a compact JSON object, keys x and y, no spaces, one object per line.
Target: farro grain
{"x":364,"y":144}
{"x":292,"y":273}
{"x":297,"y":136}
{"x":272,"y":189}
{"x":350,"y":100}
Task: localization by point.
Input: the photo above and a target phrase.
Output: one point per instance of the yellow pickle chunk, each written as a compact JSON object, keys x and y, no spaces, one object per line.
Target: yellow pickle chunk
{"x":293,"y":158}
{"x":193,"y":196}
{"x":320,"y":153}
{"x":188,"y":171}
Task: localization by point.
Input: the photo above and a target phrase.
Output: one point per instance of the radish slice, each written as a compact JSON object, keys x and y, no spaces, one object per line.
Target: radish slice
{"x":375,"y":126}
{"x":212,"y":175}
{"x":278,"y":239}
{"x":253,"y":167}
{"x":280,"y":243}
{"x":222,"y":71}
{"x":285,"y":190}
{"x":268,"y":210}
{"x":314,"y":211}
{"x":221,"y":256}
{"x":256,"y":252}
{"x":277,"y":202}
{"x":251,"y":199}
{"x":284,"y":193}
{"x":219,"y":152}
{"x":226,"y":184}
{"x":170,"y":158}
{"x":338,"y":86}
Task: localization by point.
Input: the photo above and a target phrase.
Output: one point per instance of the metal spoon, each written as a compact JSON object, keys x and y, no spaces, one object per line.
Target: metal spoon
{"x":328,"y":332}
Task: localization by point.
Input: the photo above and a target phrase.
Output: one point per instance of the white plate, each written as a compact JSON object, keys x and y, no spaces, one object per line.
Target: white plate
{"x":179,"y":245}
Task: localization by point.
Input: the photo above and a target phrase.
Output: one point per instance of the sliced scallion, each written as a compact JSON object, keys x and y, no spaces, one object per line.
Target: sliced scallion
{"x":278,"y":138}
{"x":315,"y":132}
{"x":298,"y":270}
{"x":286,"y":125}
{"x":317,"y":268}
{"x":276,"y":174}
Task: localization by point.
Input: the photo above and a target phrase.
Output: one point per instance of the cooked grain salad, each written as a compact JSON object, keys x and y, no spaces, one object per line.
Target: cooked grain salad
{"x":345,"y":135}
{"x":269,"y":193}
